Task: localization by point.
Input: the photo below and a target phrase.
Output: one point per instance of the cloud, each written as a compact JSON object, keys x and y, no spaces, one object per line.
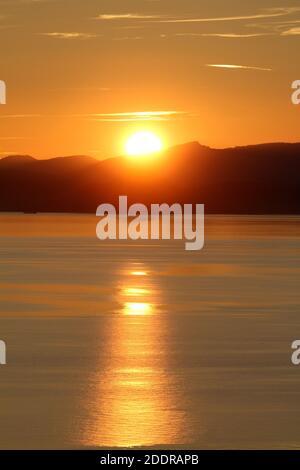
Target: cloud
{"x":263,"y":14}
{"x":266,"y":13}
{"x":129,"y":119}
{"x":142,"y":113}
{"x":136,"y":116}
{"x":17,"y":116}
{"x":230,"y":66}
{"x":223,"y":35}
{"x":278,"y":27}
{"x":282,"y":23}
{"x":70,"y":35}
{"x":126,"y":16}
{"x":291,"y":32}
{"x":110,"y":117}
{"x":128,"y":38}
{"x":132,"y":26}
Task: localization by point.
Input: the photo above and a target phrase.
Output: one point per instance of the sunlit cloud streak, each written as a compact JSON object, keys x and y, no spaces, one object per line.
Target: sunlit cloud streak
{"x":142,"y":113}
{"x":263,"y":14}
{"x":277,"y":27}
{"x":223,"y":35}
{"x":110,"y":117}
{"x":130,"y":119}
{"x":231,"y":66}
{"x":70,"y":35}
{"x":127,"y":16}
{"x":136,"y":116}
{"x":267,"y":13}
{"x":291,"y":32}
{"x":128,"y":38}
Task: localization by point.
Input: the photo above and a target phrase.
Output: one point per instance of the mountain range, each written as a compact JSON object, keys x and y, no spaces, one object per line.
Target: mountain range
{"x":256,"y":179}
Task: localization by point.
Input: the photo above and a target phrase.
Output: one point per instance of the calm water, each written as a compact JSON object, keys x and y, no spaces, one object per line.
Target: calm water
{"x":145,"y":344}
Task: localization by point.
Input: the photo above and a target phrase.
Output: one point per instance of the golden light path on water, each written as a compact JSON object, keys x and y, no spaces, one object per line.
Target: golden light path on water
{"x":132,"y":400}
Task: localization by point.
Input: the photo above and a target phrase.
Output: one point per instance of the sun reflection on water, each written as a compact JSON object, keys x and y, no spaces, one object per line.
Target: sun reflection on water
{"x":134,"y":398}
{"x":137,"y":308}
{"x":139,"y":273}
{"x":135,"y":291}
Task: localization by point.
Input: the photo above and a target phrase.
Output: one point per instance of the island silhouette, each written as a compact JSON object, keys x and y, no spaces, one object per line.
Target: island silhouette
{"x":255,"y":179}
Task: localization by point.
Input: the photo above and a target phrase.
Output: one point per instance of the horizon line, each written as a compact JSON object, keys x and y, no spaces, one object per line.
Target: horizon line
{"x":4,"y":155}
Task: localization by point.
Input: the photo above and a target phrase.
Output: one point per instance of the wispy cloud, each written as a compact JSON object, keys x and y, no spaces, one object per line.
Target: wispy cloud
{"x":136,"y":116}
{"x":128,"y":38}
{"x":286,"y":22}
{"x":231,"y":66}
{"x":266,"y":13}
{"x":69,"y":35}
{"x":280,"y":13}
{"x":143,"y":113}
{"x":223,"y":35}
{"x":126,"y":16}
{"x":129,"y":119}
{"x":110,"y":117}
{"x":263,"y":14}
{"x":131,"y":26}
{"x":18,"y":116}
{"x":279,"y":26}
{"x":291,"y":32}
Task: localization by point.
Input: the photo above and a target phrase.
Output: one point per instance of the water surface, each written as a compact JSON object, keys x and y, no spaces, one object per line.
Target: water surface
{"x":137,"y":344}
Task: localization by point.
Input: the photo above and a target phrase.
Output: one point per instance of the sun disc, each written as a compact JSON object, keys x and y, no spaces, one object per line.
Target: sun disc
{"x":143,"y":143}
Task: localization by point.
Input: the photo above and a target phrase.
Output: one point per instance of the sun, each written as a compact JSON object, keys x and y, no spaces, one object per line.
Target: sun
{"x":143,"y":143}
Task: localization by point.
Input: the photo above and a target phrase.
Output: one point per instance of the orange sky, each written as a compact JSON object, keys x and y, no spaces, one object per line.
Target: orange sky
{"x":78,"y":71}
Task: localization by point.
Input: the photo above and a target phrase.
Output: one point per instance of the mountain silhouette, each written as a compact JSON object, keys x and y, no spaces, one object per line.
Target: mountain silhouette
{"x":256,"y":179}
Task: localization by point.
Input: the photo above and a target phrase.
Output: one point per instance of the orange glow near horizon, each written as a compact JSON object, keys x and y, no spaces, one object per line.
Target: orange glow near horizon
{"x":122,"y":84}
{"x":143,"y":143}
